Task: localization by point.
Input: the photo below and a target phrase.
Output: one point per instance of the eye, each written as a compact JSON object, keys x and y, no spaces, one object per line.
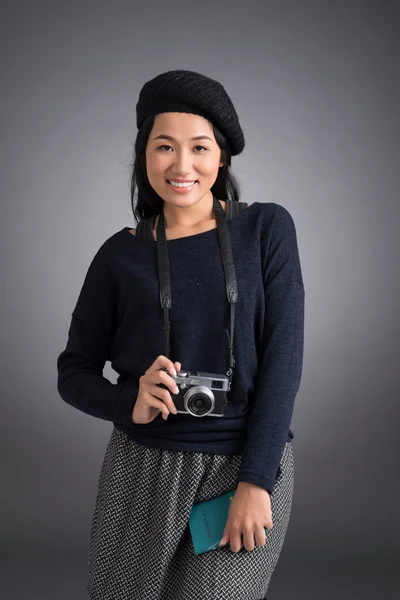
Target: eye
{"x":167,"y":146}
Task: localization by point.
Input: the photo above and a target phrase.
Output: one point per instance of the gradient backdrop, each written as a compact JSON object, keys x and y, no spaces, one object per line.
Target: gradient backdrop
{"x":316,"y":87}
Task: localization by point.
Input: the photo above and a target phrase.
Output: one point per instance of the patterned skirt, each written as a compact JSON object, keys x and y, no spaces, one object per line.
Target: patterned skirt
{"x":140,"y":547}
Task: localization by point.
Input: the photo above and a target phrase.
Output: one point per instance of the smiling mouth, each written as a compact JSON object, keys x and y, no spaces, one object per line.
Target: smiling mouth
{"x":182,"y":184}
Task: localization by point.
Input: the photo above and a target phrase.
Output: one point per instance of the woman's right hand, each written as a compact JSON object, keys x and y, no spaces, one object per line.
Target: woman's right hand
{"x":153,"y":399}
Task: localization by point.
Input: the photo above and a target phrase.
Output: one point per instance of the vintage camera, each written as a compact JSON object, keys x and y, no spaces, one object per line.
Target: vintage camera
{"x":200,"y":394}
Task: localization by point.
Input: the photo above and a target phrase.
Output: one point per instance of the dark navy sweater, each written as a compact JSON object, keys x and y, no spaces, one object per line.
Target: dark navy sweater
{"x":118,"y":317}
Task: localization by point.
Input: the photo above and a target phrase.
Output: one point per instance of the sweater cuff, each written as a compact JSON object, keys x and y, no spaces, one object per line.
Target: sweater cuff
{"x":124,"y":405}
{"x":265,"y":482}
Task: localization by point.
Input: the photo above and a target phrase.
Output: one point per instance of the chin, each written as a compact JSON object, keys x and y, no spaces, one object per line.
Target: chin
{"x":183,"y":199}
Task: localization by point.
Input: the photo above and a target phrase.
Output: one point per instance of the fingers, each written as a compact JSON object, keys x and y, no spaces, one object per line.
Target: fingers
{"x":167,"y":404}
{"x":165,"y":370}
{"x":161,"y":405}
{"x":166,"y":381}
{"x":163,"y":362}
{"x":235,"y":539}
{"x":250,"y":538}
{"x":155,"y":389}
{"x":163,"y":388}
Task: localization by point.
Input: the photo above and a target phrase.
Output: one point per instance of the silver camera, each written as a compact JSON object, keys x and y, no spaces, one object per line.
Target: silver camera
{"x":200,"y":394}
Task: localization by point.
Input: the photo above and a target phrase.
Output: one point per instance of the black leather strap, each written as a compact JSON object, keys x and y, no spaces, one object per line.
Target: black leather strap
{"x":144,"y":228}
{"x":234,"y":208}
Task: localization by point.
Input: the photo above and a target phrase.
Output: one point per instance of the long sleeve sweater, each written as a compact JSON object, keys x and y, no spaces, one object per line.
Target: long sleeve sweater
{"x":118,"y":318}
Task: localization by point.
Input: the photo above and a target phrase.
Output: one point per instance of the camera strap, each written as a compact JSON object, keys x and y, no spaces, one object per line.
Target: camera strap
{"x":144,"y":230}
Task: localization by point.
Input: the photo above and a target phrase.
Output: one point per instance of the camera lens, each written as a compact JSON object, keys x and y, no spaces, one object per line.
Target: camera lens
{"x":200,"y":401}
{"x":199,"y":404}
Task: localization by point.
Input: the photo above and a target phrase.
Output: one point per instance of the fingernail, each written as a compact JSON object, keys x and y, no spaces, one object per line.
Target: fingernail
{"x":174,"y":372}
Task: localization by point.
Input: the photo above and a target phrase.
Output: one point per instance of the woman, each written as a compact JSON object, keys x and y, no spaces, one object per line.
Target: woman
{"x":160,"y":461}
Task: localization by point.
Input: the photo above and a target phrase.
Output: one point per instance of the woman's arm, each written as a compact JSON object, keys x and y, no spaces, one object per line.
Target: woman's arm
{"x":282,"y":359}
{"x":80,"y":365}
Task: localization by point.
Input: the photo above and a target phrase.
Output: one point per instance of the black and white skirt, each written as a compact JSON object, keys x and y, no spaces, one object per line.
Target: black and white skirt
{"x":140,"y":546}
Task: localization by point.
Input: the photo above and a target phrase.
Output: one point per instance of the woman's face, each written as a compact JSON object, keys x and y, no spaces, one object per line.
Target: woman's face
{"x":176,"y":155}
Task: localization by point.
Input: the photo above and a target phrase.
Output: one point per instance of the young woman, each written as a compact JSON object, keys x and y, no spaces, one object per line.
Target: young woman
{"x":173,"y":445}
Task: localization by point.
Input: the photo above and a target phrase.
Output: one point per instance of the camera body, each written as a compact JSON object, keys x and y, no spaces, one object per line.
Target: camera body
{"x":200,"y":394}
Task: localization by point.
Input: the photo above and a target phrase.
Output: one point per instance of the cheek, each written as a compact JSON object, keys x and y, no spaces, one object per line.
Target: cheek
{"x":156,"y":166}
{"x":209,"y":166}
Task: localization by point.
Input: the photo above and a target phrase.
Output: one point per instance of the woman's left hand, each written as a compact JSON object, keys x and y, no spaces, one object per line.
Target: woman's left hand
{"x":249,"y":512}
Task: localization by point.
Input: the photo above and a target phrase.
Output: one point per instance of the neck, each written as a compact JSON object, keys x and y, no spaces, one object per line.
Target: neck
{"x":188,"y":217}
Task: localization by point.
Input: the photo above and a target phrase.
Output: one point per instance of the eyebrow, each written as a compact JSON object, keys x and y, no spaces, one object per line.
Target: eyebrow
{"x":169,"y":137}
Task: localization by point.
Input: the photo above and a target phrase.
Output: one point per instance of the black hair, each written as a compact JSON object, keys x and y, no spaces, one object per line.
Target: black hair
{"x":149,"y":203}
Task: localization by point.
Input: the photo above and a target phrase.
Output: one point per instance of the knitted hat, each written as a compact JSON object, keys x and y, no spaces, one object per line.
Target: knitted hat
{"x":191,"y":92}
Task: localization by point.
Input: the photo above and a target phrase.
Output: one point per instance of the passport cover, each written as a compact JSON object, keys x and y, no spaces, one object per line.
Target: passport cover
{"x":207,"y":522}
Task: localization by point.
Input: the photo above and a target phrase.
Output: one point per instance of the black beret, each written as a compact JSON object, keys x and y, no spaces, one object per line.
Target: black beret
{"x":191,"y":92}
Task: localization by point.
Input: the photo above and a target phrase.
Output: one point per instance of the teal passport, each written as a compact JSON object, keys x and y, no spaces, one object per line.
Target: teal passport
{"x":207,"y":522}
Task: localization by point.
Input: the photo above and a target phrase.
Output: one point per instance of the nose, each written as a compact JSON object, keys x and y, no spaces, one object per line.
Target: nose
{"x":182,"y":163}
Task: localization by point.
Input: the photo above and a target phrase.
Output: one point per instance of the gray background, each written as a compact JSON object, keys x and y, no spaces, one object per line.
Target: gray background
{"x":316,"y":88}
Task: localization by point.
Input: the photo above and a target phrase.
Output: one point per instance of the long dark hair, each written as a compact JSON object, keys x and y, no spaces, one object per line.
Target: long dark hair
{"x":149,"y":203}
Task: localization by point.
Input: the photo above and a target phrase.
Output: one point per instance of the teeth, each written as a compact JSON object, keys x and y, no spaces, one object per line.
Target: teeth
{"x":181,"y":184}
